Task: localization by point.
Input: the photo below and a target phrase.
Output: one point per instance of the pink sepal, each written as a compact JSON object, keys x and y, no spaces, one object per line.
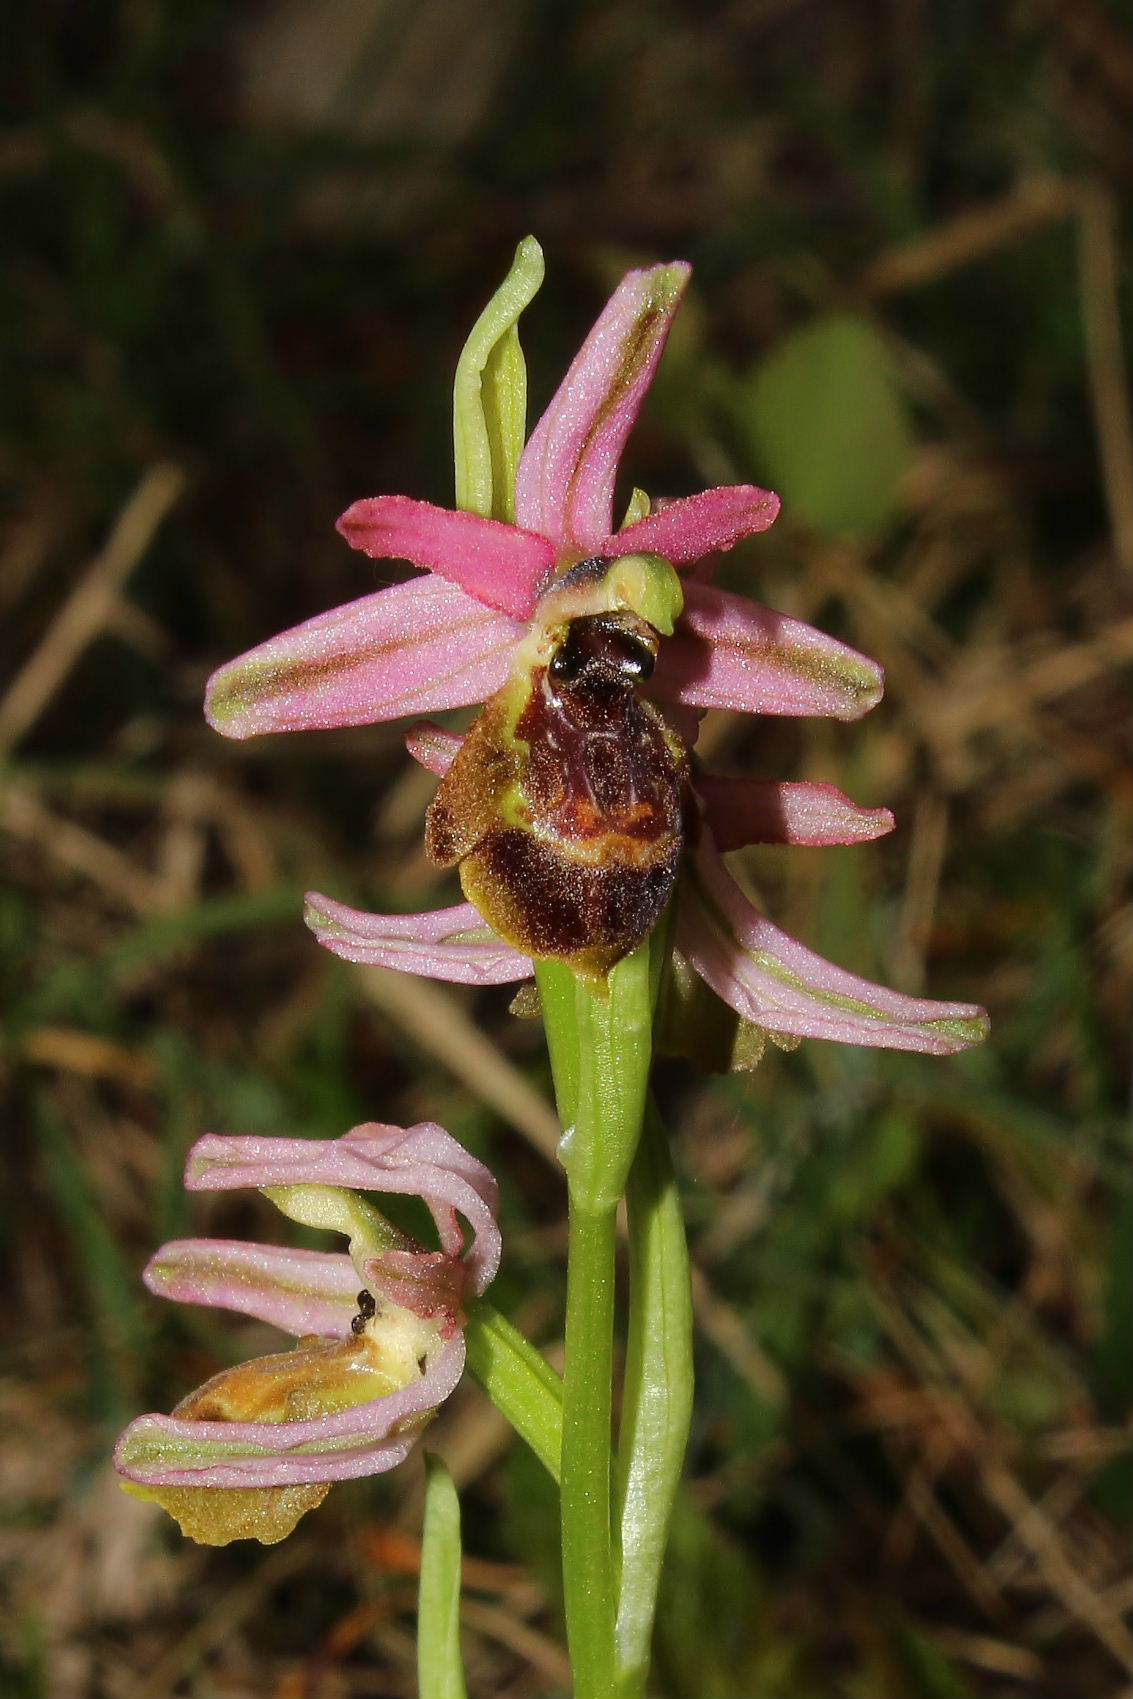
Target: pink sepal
{"x":411,"y":649}
{"x":780,"y":985}
{"x":684,"y":531}
{"x":564,"y":486}
{"x":363,"y":1440}
{"x":432,"y":746}
{"x":299,"y":1291}
{"x":764,"y":811}
{"x":448,"y":943}
{"x":423,"y":1160}
{"x":728,"y":652}
{"x":499,"y":564}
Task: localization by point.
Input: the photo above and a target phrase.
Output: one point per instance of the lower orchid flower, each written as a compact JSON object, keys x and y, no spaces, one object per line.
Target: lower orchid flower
{"x":379,"y":1327}
{"x":574,"y":809}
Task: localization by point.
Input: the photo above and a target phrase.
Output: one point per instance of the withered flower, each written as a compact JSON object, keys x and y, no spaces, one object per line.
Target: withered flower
{"x":379,"y":1328}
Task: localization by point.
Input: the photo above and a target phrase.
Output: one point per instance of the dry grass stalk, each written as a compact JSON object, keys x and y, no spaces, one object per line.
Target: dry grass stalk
{"x":91,"y":604}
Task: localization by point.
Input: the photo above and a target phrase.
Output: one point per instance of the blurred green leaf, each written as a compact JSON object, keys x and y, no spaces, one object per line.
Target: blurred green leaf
{"x":23,"y":1663}
{"x":1112,"y":1489}
{"x":214,"y":917}
{"x":829,"y":427}
{"x":934,"y":1674}
{"x":715,"y":1635}
{"x":116,"y":1335}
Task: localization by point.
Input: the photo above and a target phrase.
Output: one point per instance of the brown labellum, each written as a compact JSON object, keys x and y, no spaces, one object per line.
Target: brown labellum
{"x":565,"y":812}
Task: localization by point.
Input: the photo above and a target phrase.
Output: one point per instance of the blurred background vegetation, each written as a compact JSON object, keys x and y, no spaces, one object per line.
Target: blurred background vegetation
{"x":244,"y":243}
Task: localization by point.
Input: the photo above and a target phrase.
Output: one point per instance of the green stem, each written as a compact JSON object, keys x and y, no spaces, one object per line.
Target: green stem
{"x":589,"y":1581}
{"x":657,"y":1394}
{"x":600,"y":1046}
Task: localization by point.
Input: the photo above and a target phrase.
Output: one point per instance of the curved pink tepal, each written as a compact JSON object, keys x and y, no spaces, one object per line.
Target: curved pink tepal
{"x":302,"y":1292}
{"x":501,"y":565}
{"x":422,"y":1161}
{"x":433,"y":746}
{"x":564,"y":487}
{"x":728,"y":652}
{"x":686,"y":530}
{"x":362,"y":1440}
{"x":449,"y":943}
{"x":414,"y":648}
{"x":770,"y":811}
{"x":780,"y":985}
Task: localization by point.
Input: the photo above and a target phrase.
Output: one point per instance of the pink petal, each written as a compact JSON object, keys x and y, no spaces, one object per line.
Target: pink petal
{"x":498,"y":564}
{"x":564,"y":487}
{"x":684,"y":531}
{"x":433,"y":746}
{"x":777,"y":983}
{"x":299,"y":1291}
{"x":364,"y":1440}
{"x":411,"y":649}
{"x":422,"y":1161}
{"x":763,"y":811}
{"x":728,"y":652}
{"x":448,"y":943}
{"x":430,"y":1283}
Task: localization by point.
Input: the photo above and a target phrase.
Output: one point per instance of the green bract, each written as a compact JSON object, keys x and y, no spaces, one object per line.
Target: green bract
{"x":489,"y":399}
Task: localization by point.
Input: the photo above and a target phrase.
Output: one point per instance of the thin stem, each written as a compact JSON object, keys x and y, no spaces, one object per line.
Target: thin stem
{"x":587,"y":1546}
{"x":604,"y":1074}
{"x":600,"y":1045}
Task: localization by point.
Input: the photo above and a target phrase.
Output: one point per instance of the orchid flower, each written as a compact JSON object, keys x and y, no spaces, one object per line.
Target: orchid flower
{"x":531,"y":557}
{"x":379,"y":1327}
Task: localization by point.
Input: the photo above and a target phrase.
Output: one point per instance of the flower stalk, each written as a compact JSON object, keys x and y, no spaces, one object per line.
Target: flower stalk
{"x":601,"y":1051}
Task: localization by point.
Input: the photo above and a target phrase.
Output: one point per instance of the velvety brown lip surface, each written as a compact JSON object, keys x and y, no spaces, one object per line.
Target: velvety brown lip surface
{"x":568,"y":828}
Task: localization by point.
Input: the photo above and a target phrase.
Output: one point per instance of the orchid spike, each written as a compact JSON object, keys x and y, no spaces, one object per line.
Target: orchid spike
{"x":379,"y":1327}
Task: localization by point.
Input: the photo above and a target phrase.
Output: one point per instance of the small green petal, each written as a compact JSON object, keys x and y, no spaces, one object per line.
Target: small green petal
{"x":489,"y":411}
{"x":647,"y":586}
{"x":638,"y":507}
{"x":339,"y":1211}
{"x":963,"y":1031}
